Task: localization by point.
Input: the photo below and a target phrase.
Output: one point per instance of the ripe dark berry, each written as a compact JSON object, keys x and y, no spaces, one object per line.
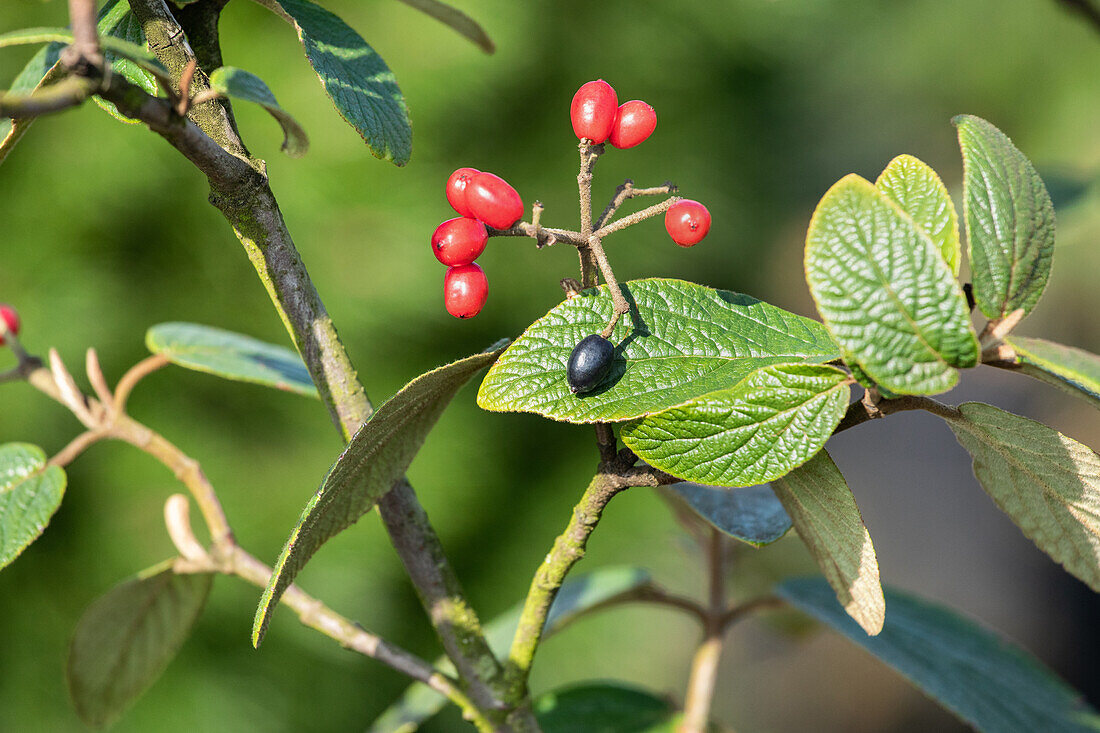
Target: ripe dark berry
{"x":589,"y":363}
{"x":634,"y":122}
{"x":492,"y":200}
{"x":687,"y":222}
{"x":11,"y":321}
{"x":465,"y":289}
{"x":593,"y":111}
{"x":459,"y":241}
{"x":456,"y":190}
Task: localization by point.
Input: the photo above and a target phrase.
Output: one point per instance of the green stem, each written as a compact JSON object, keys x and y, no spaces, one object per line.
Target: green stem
{"x":568,"y":550}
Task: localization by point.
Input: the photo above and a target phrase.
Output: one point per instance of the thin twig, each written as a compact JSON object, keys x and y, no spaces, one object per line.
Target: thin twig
{"x":627,"y":191}
{"x":744,"y":610}
{"x":858,"y":415}
{"x":135,"y":374}
{"x":84,"y":54}
{"x":704,"y":665}
{"x":76,"y":446}
{"x":95,"y":376}
{"x":619,"y":303}
{"x":65,"y":94}
{"x":637,"y":216}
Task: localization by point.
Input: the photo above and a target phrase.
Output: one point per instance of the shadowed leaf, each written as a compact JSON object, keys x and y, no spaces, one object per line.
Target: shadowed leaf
{"x":231,"y":356}
{"x":752,"y":514}
{"x":603,"y":707}
{"x":986,"y":681}
{"x":377,"y":455}
{"x":826,"y":517}
{"x":1048,"y":484}
{"x":127,"y":637}
{"x":30,"y":493}
{"x":112,"y":44}
{"x":355,"y":77}
{"x":240,"y":84}
{"x":681,"y":341}
{"x":1009,"y":220}
{"x":456,"y":20}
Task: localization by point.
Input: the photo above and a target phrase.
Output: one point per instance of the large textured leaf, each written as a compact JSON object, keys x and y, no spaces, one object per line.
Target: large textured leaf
{"x":240,"y":84}
{"x":576,"y":597}
{"x":127,"y":637}
{"x":1009,"y":220}
{"x":988,"y":682}
{"x":1073,"y":370}
{"x":355,"y":77}
{"x":1048,"y":484}
{"x":377,"y":455}
{"x":827,"y":519}
{"x":776,"y":418}
{"x":752,"y":514}
{"x":915,"y":187}
{"x":885,"y":292}
{"x":30,"y":492}
{"x":456,"y":20}
{"x":231,"y":356}
{"x":43,"y":69}
{"x":602,"y":707}
{"x":680,"y":341}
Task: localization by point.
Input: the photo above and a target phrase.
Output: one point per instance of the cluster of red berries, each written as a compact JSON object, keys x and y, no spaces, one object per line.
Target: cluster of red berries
{"x":11,"y":321}
{"x":480,"y":199}
{"x":597,"y":117}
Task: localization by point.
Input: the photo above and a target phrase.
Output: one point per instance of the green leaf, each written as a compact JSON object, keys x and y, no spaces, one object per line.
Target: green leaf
{"x":455,"y":19}
{"x":30,"y":492}
{"x":752,"y":514}
{"x":988,"y":682}
{"x":602,"y":707}
{"x":826,"y":517}
{"x":1048,"y":484}
{"x":682,"y":341}
{"x":231,"y":356}
{"x":577,"y":596}
{"x":915,"y":187}
{"x":44,"y":69}
{"x":111,"y":44}
{"x":377,"y":455}
{"x":885,"y":292}
{"x":240,"y":84}
{"x":1073,"y":370}
{"x":776,"y":418}
{"x":117,"y":20}
{"x":355,"y":77}
{"x":127,"y":637}
{"x":1009,"y":220}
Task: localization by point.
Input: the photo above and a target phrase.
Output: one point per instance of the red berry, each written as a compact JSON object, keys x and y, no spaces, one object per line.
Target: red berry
{"x":493,"y":201}
{"x":11,"y":321}
{"x":456,"y":189}
{"x":593,"y":111}
{"x":459,"y":241}
{"x":465,"y":290}
{"x":634,"y":122}
{"x":687,"y":222}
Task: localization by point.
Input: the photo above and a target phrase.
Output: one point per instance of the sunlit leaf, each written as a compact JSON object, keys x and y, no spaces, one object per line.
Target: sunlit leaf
{"x":1009,"y":220}
{"x":30,"y":493}
{"x":681,"y":341}
{"x":885,"y":292}
{"x":919,"y":192}
{"x":1072,"y":370}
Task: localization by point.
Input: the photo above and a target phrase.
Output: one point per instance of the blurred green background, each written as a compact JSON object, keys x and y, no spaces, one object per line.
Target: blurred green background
{"x":762,"y":104}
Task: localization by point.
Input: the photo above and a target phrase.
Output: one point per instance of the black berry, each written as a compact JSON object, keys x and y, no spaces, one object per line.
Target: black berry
{"x":589,"y":363}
